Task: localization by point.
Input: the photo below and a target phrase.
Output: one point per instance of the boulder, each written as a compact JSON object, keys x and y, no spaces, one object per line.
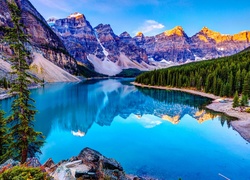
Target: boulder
{"x":9,"y":164}
{"x":33,"y":162}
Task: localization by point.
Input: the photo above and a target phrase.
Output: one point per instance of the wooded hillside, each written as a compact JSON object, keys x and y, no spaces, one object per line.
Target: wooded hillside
{"x":222,"y":76}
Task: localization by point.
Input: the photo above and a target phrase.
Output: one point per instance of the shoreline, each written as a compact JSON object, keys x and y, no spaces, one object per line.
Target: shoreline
{"x":242,"y":125}
{"x":5,"y":93}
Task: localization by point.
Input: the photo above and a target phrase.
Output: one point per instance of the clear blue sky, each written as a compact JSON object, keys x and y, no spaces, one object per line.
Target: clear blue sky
{"x":155,"y":16}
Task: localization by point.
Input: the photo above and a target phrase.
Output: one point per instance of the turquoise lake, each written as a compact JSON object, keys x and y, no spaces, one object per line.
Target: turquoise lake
{"x":157,"y":133}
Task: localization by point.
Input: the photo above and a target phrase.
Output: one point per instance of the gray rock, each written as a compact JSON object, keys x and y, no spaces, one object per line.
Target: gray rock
{"x":9,"y":163}
{"x":33,"y":162}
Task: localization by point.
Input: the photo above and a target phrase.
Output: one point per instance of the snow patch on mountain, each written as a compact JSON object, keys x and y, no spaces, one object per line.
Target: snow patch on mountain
{"x":51,"y":21}
{"x":105,"y":52}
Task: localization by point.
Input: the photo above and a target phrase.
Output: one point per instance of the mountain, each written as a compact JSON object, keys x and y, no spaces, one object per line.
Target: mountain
{"x":208,"y":44}
{"x":76,"y":47}
{"x":42,"y":39}
{"x":100,"y":49}
{"x":174,"y":45}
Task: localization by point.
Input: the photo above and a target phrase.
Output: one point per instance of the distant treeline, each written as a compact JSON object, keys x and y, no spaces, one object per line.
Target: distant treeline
{"x":223,"y":76}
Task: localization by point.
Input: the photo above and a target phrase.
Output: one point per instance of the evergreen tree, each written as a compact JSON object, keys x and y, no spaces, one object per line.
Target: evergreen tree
{"x":230,"y":84}
{"x":236,"y":100}
{"x":5,"y":83}
{"x":26,"y":141}
{"x":246,"y":85}
{"x":238,"y":81}
{"x":244,"y":100}
{"x":4,"y":142}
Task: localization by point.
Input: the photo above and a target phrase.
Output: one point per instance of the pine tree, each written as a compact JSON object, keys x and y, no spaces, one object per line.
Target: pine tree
{"x":230,"y":84}
{"x":4,"y":142}
{"x":5,"y":83}
{"x":244,"y":100}
{"x":26,"y":141}
{"x":236,"y":100}
{"x":238,"y":81}
{"x":246,"y":85}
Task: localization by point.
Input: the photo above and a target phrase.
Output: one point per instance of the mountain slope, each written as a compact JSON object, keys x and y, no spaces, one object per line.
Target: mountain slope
{"x":42,"y":39}
{"x":48,"y":71}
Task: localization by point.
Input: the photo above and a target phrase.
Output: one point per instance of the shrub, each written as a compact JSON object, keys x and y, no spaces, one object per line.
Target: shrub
{"x":24,"y":173}
{"x":248,"y":110}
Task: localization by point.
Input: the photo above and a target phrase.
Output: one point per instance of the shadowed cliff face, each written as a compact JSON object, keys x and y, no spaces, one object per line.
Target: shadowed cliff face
{"x":128,"y":46}
{"x":172,"y":45}
{"x":99,"y":48}
{"x":109,"y":41}
{"x":81,"y":40}
{"x":79,"y":37}
{"x":42,"y":39}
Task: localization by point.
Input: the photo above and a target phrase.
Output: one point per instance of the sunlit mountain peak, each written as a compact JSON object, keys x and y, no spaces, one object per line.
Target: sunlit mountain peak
{"x":139,"y":34}
{"x":76,"y":15}
{"x":178,"y":30}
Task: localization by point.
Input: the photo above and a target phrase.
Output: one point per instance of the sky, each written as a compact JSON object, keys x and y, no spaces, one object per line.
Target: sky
{"x":154,"y":16}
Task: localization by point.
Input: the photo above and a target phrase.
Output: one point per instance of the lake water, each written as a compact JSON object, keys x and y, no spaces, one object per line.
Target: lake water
{"x":157,"y":133}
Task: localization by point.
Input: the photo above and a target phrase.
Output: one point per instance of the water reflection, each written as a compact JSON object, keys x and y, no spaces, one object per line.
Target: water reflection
{"x":180,"y":100}
{"x":75,"y":107}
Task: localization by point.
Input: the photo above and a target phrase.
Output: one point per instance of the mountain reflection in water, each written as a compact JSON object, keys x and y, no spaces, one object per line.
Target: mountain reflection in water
{"x":81,"y":105}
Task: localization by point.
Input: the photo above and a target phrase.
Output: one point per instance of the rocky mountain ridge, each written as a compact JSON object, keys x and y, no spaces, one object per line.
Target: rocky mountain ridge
{"x":175,"y":45}
{"x":105,"y":52}
{"x":99,"y":48}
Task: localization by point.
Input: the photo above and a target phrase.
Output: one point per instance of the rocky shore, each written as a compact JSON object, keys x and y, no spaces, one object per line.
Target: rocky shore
{"x":242,"y":125}
{"x":4,"y":93}
{"x":89,"y":164}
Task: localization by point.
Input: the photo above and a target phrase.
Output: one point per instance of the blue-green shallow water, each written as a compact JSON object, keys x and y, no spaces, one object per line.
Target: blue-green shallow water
{"x":127,"y":124}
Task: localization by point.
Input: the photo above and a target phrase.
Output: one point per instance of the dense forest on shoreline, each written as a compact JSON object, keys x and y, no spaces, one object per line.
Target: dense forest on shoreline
{"x":222,"y":76}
